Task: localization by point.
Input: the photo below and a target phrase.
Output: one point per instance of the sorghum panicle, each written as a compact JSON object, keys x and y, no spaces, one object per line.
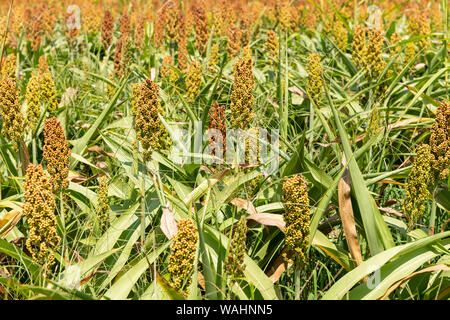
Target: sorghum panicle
{"x":201,"y":29}
{"x":171,"y":19}
{"x":217,"y":121}
{"x":193,"y":80}
{"x":314,"y":85}
{"x":125,"y":27}
{"x":297,"y":216}
{"x":183,"y":249}
{"x":340,"y":37}
{"x":359,"y":48}
{"x":440,"y":141}
{"x":8,"y":67}
{"x":214,"y":57}
{"x":374,"y":61}
{"x":13,"y":120}
{"x":56,"y":153}
{"x":43,"y":65}
{"x":272,"y":46}
{"x":118,"y":53}
{"x":166,"y":71}
{"x":395,"y":39}
{"x":39,"y":208}
{"x":139,"y":32}
{"x":417,"y":185}
{"x":48,"y":91}
{"x":107,"y":28}
{"x":234,"y":262}
{"x":242,"y":94}
{"x":233,"y":41}
{"x":103,"y":204}
{"x":149,"y":130}
{"x":158,"y":35}
{"x":181,"y":40}
{"x":32,"y":96}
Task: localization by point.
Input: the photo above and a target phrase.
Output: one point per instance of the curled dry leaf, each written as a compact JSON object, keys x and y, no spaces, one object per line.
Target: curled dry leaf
{"x":99,"y":150}
{"x":244,"y":204}
{"x":297,"y":91}
{"x":269,"y":219}
{"x":168,"y":224}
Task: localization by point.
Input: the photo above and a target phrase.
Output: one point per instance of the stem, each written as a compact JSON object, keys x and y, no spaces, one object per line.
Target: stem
{"x":433,"y":214}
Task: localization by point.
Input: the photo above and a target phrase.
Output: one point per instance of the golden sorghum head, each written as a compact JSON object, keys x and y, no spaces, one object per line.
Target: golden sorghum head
{"x":233,"y":41}
{"x":314,"y":85}
{"x":242,"y":95}
{"x":340,"y":37}
{"x":272,"y":46}
{"x":410,"y":52}
{"x":39,"y":208}
{"x":171,"y":19}
{"x":48,"y":91}
{"x":284,"y":16}
{"x":118,"y":53}
{"x":234,"y":262}
{"x":297,"y":216}
{"x":214,"y":57}
{"x":32,"y":96}
{"x":295,"y":17}
{"x":395,"y":39}
{"x":182,"y":255}
{"x":149,"y":129}
{"x":166,"y":71}
{"x":125,"y":27}
{"x":13,"y":120}
{"x":43,"y":65}
{"x":91,"y":18}
{"x":245,"y":29}
{"x":35,"y":29}
{"x":181,"y":28}
{"x":359,"y":48}
{"x":374,"y":61}
{"x":440,"y":141}
{"x":103,"y":204}
{"x":217,"y":120}
{"x":107,"y":28}
{"x":139,"y":32}
{"x":193,"y":80}
{"x":417,"y":185}
{"x":419,"y":25}
{"x":8,"y":67}
{"x":158,"y":34}
{"x":218,"y":21}
{"x":56,"y":153}
{"x":201,"y":29}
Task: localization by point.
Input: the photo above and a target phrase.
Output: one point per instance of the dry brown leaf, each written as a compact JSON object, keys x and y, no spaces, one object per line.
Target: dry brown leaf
{"x":279,"y":266}
{"x":269,"y":219}
{"x":244,"y":204}
{"x":99,"y":150}
{"x":391,"y":211}
{"x":297,"y":91}
{"x":347,"y":217}
{"x":168,"y":224}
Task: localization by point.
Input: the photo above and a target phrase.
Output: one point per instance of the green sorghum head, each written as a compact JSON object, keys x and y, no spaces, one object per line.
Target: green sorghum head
{"x":297,"y":216}
{"x":182,"y":256}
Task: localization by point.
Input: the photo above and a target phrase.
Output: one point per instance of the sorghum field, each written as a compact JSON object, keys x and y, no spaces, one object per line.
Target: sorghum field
{"x":229,"y":149}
